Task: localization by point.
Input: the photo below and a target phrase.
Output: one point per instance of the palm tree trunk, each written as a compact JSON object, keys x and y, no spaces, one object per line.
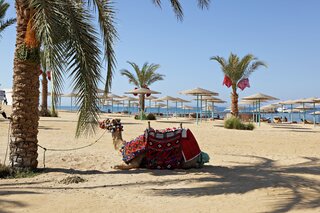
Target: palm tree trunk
{"x":142,"y":102}
{"x":44,"y":96}
{"x":234,"y":100}
{"x":25,"y":113}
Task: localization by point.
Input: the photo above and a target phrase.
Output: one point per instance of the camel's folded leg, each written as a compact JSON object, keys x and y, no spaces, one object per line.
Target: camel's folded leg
{"x":134,"y":164}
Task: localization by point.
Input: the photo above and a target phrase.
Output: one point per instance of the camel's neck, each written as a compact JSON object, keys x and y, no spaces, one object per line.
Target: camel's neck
{"x":117,"y":140}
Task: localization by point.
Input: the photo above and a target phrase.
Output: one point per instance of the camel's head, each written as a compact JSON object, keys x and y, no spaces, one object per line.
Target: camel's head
{"x":115,"y":127}
{"x":112,"y":126}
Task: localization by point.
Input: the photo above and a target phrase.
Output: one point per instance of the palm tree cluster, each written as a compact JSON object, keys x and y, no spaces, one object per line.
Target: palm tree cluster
{"x":64,"y":30}
{"x":4,"y":23}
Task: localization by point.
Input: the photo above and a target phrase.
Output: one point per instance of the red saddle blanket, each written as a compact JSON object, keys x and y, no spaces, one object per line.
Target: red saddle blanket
{"x":169,"y":148}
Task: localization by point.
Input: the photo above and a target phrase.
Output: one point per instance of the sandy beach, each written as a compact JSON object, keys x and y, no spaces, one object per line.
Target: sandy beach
{"x":274,"y":168}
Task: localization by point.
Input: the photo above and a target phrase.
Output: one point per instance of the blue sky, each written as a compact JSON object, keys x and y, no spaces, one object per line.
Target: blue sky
{"x":285,"y":34}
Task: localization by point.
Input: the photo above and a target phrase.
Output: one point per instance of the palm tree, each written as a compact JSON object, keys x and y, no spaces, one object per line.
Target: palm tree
{"x":142,"y":78}
{"x":4,"y":23}
{"x":44,"y":84}
{"x":64,"y":30}
{"x":235,"y":71}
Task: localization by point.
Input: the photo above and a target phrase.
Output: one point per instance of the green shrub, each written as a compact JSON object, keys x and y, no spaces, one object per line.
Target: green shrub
{"x":151,"y":117}
{"x":250,"y":126}
{"x":235,"y":123}
{"x":138,"y":117}
{"x":5,"y":171}
{"x":8,"y":172}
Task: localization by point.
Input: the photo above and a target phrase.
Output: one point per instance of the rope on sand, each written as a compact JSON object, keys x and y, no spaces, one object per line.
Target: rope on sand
{"x":50,"y":149}
{"x":66,"y":150}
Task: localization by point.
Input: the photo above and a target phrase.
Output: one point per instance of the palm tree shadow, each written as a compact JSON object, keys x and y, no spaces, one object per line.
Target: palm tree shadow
{"x":7,"y":205}
{"x":303,"y":193}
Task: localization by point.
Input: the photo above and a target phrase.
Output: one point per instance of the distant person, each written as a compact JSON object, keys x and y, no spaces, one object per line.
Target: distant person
{"x":285,"y":119}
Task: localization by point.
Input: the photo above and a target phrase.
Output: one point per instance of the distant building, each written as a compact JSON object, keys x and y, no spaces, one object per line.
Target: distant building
{"x":6,"y":94}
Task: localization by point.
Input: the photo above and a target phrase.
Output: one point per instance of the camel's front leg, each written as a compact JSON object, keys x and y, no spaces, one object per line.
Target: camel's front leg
{"x":134,"y":164}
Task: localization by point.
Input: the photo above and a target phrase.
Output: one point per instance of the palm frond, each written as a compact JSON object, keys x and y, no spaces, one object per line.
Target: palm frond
{"x":51,"y":32}
{"x":83,"y":56}
{"x":203,"y":4}
{"x":157,"y":2}
{"x":3,"y":9}
{"x":106,"y":16}
{"x":132,"y":79}
{"x":253,"y":67}
{"x":146,"y":76}
{"x":66,"y":32}
{"x":177,"y":8}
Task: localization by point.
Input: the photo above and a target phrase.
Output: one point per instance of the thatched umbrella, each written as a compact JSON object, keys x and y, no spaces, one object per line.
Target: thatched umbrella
{"x":150,"y":98}
{"x":158,"y":104}
{"x":71,"y":95}
{"x":180,"y":100}
{"x":199,"y":92}
{"x":259,"y":97}
{"x":214,"y":100}
{"x":129,"y":99}
{"x":142,"y":91}
{"x":111,"y":97}
{"x":291,"y":103}
{"x":167,"y":98}
{"x":185,"y":107}
{"x":304,"y":101}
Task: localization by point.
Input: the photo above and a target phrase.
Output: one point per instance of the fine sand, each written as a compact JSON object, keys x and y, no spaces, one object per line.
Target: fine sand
{"x":274,"y":168}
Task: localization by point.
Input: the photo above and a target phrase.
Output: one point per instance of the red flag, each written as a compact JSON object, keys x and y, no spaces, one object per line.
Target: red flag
{"x":227,"y":81}
{"x":135,"y":94}
{"x":49,"y":75}
{"x":243,"y":83}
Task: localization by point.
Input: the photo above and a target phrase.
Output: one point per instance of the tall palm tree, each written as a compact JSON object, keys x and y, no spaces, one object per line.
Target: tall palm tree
{"x":4,"y":23}
{"x":142,"y":78}
{"x":44,"y":85}
{"x":237,"y":70}
{"x":64,"y":29}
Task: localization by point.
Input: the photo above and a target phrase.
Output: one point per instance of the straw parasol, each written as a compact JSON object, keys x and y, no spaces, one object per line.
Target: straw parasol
{"x":167,"y":98}
{"x":150,"y":98}
{"x":129,"y":99}
{"x":259,"y":97}
{"x":142,"y":91}
{"x":291,"y":103}
{"x":180,"y":100}
{"x":303,"y":101}
{"x":71,"y":95}
{"x":199,"y":92}
{"x":111,"y":97}
{"x":214,"y":100}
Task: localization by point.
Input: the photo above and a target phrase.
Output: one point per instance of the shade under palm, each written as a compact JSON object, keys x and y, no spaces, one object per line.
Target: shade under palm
{"x":143,"y":77}
{"x":237,"y":70}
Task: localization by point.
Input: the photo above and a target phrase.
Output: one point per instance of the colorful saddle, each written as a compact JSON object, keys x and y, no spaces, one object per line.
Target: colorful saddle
{"x":164,"y":149}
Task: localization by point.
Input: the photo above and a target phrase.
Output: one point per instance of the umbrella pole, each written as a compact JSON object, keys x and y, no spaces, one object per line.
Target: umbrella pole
{"x":129,"y":110}
{"x":207,"y":110}
{"x":112,"y":105}
{"x":197,"y":109}
{"x":212,"y":112}
{"x":259,"y":113}
{"x":71,"y":104}
{"x":167,"y":109}
{"x":314,"y":114}
{"x":176,"y":109}
{"x":291,"y":113}
{"x":304,"y":114}
{"x":200,"y":108}
{"x":252,"y":112}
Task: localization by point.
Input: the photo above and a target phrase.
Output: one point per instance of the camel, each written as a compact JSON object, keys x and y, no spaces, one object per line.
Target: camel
{"x":115,"y":127}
